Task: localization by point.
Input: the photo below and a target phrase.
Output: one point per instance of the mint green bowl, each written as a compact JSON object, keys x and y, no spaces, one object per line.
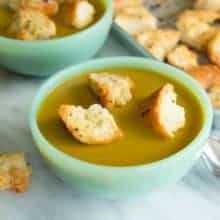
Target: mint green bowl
{"x":43,"y":58}
{"x":118,"y":182}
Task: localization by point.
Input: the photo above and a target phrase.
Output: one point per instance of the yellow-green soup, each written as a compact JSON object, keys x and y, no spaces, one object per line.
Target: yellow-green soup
{"x":140,"y":143}
{"x":6,"y":16}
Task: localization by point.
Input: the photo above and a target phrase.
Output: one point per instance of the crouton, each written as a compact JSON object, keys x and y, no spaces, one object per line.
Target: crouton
{"x":49,"y":7}
{"x":205,"y":16}
{"x":214,"y":94}
{"x":195,"y":28}
{"x":197,"y":35}
{"x":112,"y":90}
{"x":207,"y":75}
{"x":183,"y":57}
{"x":14,"y":172}
{"x":80,"y":14}
{"x":159,"y":42}
{"x":94,"y":125}
{"x":213,"y":49}
{"x":120,"y":4}
{"x":30,"y":24}
{"x":135,"y":19}
{"x":165,"y":115}
{"x":207,"y":4}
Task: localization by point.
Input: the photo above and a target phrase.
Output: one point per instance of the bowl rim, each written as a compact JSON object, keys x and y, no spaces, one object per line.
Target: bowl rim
{"x":108,"y":10}
{"x":196,"y":144}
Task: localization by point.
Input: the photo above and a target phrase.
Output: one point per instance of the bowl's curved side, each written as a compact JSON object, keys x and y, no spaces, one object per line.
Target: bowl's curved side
{"x":42,"y":58}
{"x":116,"y":182}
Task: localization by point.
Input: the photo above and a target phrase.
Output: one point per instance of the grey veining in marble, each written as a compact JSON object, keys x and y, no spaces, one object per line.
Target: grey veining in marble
{"x":196,"y":197}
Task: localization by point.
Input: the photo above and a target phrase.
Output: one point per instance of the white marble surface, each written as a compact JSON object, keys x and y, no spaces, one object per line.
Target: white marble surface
{"x":197,"y":196}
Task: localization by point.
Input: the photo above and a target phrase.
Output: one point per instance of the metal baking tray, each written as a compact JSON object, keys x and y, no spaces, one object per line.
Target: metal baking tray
{"x":166,"y":14}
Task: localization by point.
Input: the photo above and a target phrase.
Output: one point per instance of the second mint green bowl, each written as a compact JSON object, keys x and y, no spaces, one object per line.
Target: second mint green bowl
{"x":118,"y":182}
{"x":43,"y":58}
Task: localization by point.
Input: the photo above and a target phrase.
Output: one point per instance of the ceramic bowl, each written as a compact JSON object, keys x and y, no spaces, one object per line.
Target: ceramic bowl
{"x":42,"y":58}
{"x":118,"y":182}
{"x":216,"y":121}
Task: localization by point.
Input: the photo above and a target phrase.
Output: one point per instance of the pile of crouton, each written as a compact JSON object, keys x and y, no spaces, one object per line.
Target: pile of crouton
{"x":96,"y":124}
{"x":196,"y":33}
{"x":33,"y":19}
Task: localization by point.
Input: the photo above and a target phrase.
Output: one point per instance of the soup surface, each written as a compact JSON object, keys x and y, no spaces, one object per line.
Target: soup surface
{"x":140,"y":143}
{"x":6,"y":15}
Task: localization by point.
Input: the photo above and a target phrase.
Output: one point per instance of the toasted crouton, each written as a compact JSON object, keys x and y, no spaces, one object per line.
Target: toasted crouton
{"x":120,"y":4}
{"x":159,"y":42}
{"x":183,"y":57}
{"x":49,"y":7}
{"x":209,"y":78}
{"x":14,"y":172}
{"x":30,"y":24}
{"x":205,"y":16}
{"x":94,"y":125}
{"x":112,"y":89}
{"x":213,"y":49}
{"x":165,"y":115}
{"x":197,"y":35}
{"x":195,"y":28}
{"x":207,"y":4}
{"x":207,"y":75}
{"x":214,"y":94}
{"x":135,"y":19}
{"x":80,"y":14}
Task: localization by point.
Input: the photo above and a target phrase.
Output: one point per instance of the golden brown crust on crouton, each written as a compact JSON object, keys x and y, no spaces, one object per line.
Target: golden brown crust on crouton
{"x":209,"y":77}
{"x":120,"y":4}
{"x":47,"y":7}
{"x":207,"y":4}
{"x":159,"y":42}
{"x":183,"y":57}
{"x":14,"y":172}
{"x":112,"y":89}
{"x":214,"y":94}
{"x":30,"y":24}
{"x":5,"y":180}
{"x":135,"y":19}
{"x":195,"y":28}
{"x":213,"y":49}
{"x":206,"y":16}
{"x":94,"y":125}
{"x":166,"y":117}
{"x":206,"y":75}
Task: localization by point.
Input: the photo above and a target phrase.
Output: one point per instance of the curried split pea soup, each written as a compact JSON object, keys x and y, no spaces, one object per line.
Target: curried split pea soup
{"x":6,"y":15}
{"x":140,"y":144}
